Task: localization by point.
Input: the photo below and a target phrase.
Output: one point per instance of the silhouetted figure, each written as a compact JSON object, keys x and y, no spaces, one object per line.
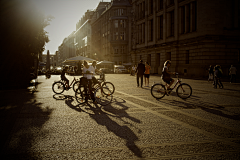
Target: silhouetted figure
{"x":210,"y":73}
{"x":140,"y":72}
{"x":233,"y":73}
{"x":217,"y":77}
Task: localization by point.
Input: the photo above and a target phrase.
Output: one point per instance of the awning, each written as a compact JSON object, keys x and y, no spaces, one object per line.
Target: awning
{"x":104,"y":62}
{"x":77,"y":59}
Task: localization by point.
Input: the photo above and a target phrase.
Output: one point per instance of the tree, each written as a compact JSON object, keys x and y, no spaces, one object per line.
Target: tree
{"x":24,"y":38}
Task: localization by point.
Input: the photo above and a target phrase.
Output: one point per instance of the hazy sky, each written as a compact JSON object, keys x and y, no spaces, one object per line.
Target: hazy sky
{"x":67,"y":13}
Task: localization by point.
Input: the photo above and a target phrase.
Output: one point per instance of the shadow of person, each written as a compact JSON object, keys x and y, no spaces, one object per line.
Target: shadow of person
{"x":123,"y":132}
{"x":207,"y":107}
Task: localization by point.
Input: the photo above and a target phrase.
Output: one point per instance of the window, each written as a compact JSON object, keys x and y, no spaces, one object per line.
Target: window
{"x":182,"y":20}
{"x":122,"y":35}
{"x":116,"y":23}
{"x":170,"y":2}
{"x":194,"y":16}
{"x":151,"y":30}
{"x":143,"y":32}
{"x":116,"y":50}
{"x":160,"y":5}
{"x":140,"y":33}
{"x":116,"y":36}
{"x":122,"y":24}
{"x":150,"y":6}
{"x":172,"y":23}
{"x":160,"y":27}
{"x":187,"y":20}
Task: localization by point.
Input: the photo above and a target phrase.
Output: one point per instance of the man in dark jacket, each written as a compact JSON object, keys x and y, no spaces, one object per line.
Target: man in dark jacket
{"x":140,"y":72}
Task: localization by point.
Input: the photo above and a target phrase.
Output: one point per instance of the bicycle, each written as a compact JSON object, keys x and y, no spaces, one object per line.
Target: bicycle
{"x":59,"y":87}
{"x":101,"y":82}
{"x":183,"y":90}
{"x":102,"y":95}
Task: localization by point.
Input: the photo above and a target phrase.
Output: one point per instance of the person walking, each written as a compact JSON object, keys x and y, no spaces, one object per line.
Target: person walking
{"x":140,"y":71}
{"x":147,"y":74}
{"x":210,"y":73}
{"x":133,"y":70}
{"x":232,"y":73}
{"x":217,"y":77}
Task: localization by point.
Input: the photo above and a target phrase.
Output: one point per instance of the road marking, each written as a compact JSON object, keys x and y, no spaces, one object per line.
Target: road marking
{"x":215,"y":137}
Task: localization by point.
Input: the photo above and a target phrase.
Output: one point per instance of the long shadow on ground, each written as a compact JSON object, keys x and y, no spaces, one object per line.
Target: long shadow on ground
{"x":102,"y":117}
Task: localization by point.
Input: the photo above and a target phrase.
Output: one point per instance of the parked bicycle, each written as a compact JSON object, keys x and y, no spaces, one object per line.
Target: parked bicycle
{"x":183,"y":90}
{"x":58,"y":87}
{"x":102,"y":95}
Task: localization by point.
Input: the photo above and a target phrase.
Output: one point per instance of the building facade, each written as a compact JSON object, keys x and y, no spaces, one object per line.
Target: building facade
{"x":110,"y":31}
{"x":193,"y":34}
{"x":82,"y":35}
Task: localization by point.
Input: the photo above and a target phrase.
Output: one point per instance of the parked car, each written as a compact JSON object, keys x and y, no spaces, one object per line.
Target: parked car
{"x":120,"y":69}
{"x":106,"y":70}
{"x":58,"y":70}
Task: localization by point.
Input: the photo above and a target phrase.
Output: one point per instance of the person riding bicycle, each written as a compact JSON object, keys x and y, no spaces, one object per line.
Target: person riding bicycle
{"x":63,"y":77}
{"x":166,"y":74}
{"x":87,"y":79}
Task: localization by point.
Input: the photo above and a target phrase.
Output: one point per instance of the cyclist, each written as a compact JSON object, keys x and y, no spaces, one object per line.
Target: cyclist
{"x":87,"y":74}
{"x":166,"y":75}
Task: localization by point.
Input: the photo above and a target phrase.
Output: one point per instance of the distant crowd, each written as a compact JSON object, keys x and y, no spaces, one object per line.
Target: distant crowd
{"x":216,"y":73}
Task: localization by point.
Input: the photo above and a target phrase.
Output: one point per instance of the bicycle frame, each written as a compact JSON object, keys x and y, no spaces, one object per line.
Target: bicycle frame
{"x":178,"y":82}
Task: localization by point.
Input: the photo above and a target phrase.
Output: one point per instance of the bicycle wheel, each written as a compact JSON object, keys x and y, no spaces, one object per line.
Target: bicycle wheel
{"x":103,"y":96}
{"x":110,"y":86}
{"x":158,"y":91}
{"x":79,"y":95}
{"x":58,"y":87}
{"x":76,"y":85}
{"x":184,"y":91}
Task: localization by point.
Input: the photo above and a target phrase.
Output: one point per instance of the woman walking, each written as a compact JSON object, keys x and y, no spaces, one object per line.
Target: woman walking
{"x":211,"y":73}
{"x":147,"y":74}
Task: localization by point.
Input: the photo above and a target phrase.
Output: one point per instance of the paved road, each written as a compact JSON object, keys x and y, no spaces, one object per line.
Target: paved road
{"x":134,"y":126}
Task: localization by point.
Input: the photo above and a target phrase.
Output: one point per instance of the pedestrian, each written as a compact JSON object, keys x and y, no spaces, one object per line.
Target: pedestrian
{"x":75,"y":70}
{"x":140,"y":72}
{"x":232,"y":73}
{"x":217,"y":77}
{"x":133,"y":70}
{"x":210,"y":73}
{"x":147,"y":73}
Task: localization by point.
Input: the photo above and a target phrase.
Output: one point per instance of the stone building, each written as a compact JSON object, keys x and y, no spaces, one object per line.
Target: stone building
{"x":67,"y":49}
{"x":110,"y":31}
{"x":193,"y":34}
{"x":83,"y":35}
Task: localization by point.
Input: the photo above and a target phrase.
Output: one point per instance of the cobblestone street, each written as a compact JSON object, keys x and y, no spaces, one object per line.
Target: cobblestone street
{"x":135,"y":125}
